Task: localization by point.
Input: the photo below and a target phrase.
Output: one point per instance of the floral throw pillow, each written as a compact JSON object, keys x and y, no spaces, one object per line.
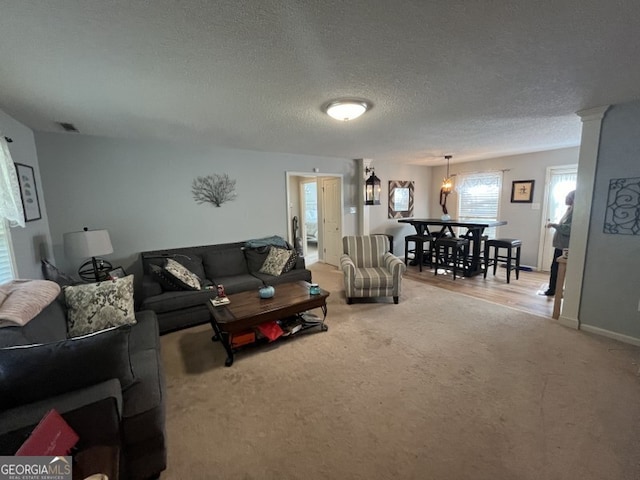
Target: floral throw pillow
{"x":166,"y":281}
{"x":97,"y":306}
{"x":276,"y":260}
{"x":182,"y":275}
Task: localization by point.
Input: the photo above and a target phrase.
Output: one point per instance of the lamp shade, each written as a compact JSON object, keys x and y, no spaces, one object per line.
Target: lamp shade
{"x":88,"y":243}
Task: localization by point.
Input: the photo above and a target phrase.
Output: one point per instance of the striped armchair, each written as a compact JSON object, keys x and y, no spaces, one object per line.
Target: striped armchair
{"x":369,"y":269}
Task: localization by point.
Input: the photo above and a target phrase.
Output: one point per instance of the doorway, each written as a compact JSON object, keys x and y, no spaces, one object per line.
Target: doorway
{"x":309,"y":197}
{"x":559,"y":182}
{"x":307,"y":200}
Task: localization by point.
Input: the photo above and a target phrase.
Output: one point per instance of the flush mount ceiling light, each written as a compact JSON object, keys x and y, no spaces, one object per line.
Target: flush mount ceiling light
{"x":345,"y":109}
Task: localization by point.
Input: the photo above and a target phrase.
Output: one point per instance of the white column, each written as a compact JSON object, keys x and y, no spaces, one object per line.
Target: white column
{"x":588,"y":160}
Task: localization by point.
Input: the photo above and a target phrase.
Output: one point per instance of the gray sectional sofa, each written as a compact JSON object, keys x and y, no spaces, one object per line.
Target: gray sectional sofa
{"x":234,"y":265}
{"x":41,"y":369}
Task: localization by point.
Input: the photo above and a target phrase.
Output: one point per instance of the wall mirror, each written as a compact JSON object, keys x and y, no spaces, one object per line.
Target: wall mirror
{"x":400,"y":199}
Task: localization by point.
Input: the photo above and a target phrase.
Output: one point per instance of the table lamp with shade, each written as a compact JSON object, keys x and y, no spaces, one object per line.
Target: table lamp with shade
{"x":89,"y":244}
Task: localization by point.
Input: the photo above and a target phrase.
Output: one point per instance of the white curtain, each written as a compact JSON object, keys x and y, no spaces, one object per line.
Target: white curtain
{"x":10,"y":199}
{"x":478,"y":182}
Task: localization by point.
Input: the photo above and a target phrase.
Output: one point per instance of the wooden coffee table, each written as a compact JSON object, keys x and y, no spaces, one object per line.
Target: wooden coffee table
{"x":247,"y":310}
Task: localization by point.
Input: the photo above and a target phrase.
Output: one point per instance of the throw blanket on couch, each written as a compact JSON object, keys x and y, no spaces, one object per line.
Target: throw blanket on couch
{"x":22,"y":300}
{"x":274,"y":240}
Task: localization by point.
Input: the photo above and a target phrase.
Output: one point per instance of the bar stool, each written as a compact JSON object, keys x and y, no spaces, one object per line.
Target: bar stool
{"x":418,"y":249}
{"x":508,"y":258}
{"x":451,"y":253}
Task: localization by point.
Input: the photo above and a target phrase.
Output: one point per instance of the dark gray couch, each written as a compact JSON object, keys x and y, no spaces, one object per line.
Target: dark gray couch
{"x":65,"y":374}
{"x":230,"y":264}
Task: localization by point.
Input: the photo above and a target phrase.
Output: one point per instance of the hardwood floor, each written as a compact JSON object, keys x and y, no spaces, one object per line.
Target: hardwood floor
{"x":520,"y":294}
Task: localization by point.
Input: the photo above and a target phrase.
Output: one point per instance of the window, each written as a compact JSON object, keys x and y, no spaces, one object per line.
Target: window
{"x":6,"y":258}
{"x":479,"y":197}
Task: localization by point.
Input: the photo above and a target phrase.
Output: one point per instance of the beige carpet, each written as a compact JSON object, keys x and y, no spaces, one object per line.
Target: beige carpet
{"x":441,"y":386}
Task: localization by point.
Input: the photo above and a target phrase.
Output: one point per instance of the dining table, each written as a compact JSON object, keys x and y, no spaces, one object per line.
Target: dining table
{"x":436,"y":228}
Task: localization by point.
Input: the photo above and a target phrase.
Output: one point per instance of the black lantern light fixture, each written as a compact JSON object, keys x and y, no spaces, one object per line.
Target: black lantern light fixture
{"x":371,"y":188}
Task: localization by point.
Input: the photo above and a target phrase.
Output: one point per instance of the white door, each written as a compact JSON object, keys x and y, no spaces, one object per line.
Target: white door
{"x":332,"y":216}
{"x":560,"y":181}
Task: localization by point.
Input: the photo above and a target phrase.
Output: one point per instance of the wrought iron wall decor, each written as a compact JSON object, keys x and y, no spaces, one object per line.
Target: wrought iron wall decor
{"x":623,"y":207}
{"x":215,"y":189}
{"x":400,"y":199}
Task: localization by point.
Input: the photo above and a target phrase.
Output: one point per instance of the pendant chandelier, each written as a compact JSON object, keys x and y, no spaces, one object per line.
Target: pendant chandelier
{"x":447,"y":184}
{"x":445,"y":190}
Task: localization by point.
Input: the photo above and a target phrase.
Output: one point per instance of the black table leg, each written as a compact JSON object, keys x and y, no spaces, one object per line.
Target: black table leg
{"x":324,"y":326}
{"x":224,"y":339}
{"x":475,"y":235}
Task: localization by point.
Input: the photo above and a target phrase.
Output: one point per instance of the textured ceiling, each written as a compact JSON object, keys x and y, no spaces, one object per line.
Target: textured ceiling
{"x":476,"y":79}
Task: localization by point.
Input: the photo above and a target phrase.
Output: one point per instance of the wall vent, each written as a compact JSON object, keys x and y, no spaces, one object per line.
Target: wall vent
{"x":68,"y":127}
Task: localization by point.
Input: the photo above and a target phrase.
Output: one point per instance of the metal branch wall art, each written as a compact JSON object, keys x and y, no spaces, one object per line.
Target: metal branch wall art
{"x":623,"y":207}
{"x":215,"y":189}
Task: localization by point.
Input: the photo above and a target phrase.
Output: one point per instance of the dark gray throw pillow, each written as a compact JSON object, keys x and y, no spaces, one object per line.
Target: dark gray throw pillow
{"x":291,"y":263}
{"x":256,"y":257}
{"x":35,"y":372}
{"x":51,"y":272}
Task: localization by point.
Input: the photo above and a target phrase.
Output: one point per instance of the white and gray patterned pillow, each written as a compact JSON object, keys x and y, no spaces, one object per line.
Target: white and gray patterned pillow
{"x":97,"y":306}
{"x":275,"y":261}
{"x":182,"y":274}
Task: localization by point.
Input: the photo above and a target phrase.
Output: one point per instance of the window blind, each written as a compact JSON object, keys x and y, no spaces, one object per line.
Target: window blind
{"x":479,"y":197}
{"x":6,"y":259}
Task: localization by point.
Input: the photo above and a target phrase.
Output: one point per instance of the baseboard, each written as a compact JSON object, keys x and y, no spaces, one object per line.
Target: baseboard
{"x":569,"y":322}
{"x":609,"y":334}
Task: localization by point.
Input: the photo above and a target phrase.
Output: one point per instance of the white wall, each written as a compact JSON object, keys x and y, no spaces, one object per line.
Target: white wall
{"x":141,"y":192}
{"x":378,"y":214}
{"x":32,"y":243}
{"x":523,"y":221}
{"x":611,"y":286}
